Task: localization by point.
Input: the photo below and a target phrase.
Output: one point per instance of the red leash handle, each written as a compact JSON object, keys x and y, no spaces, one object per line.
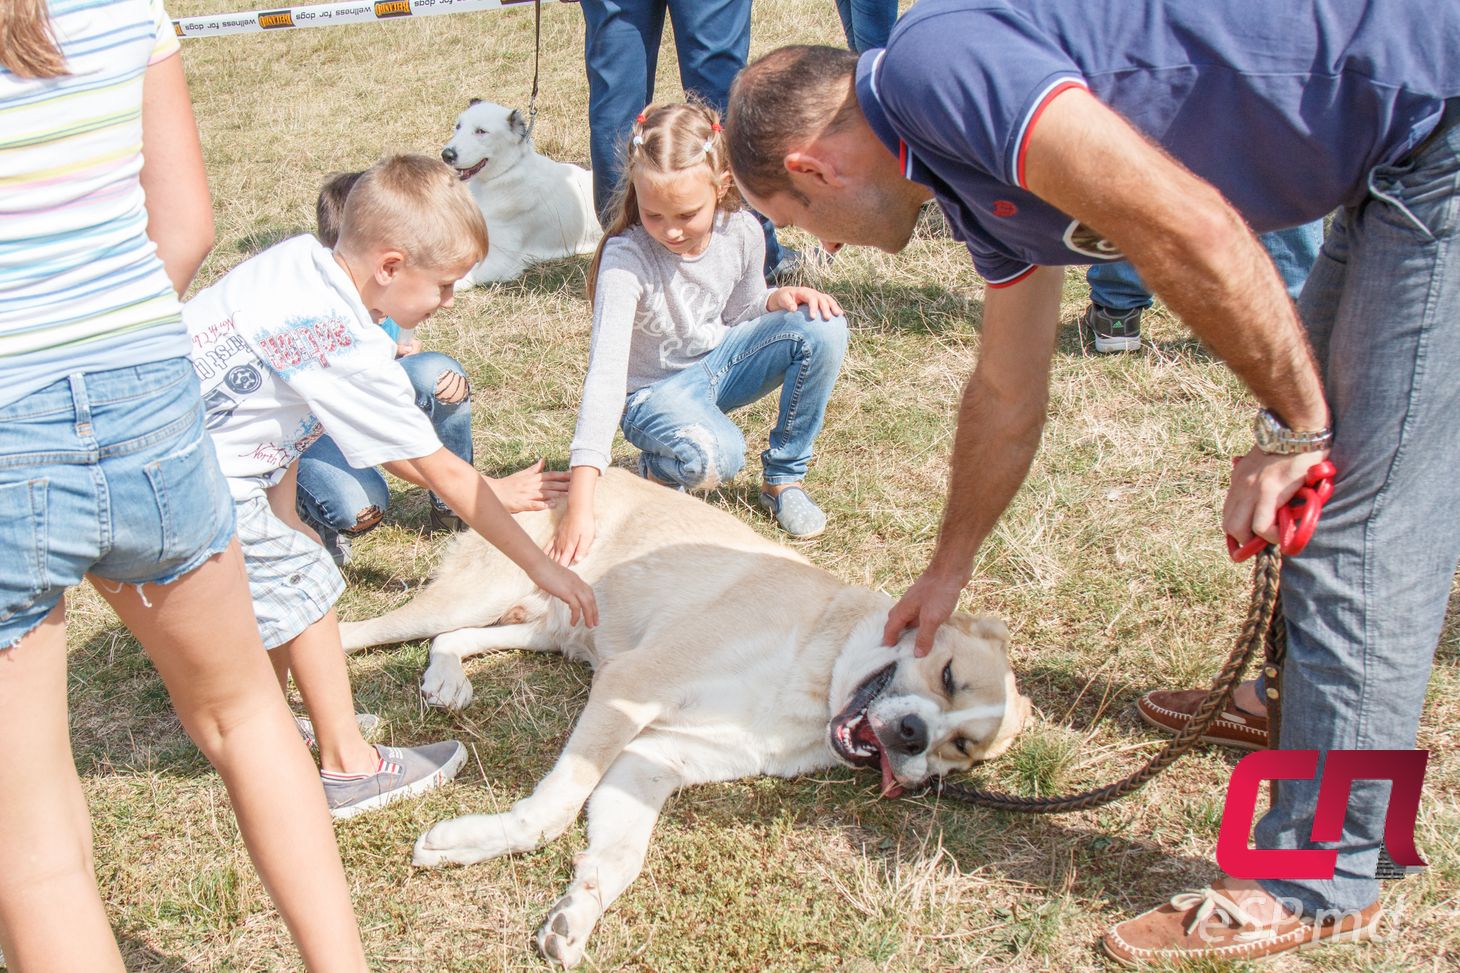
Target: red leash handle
{"x":1297,"y":518}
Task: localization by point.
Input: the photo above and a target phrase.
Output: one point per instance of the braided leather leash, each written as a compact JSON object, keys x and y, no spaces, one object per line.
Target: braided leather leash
{"x":1264,"y":627}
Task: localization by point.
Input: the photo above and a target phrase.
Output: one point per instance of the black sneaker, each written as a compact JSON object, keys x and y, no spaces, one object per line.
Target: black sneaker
{"x":1114,"y":331}
{"x":444,"y":521}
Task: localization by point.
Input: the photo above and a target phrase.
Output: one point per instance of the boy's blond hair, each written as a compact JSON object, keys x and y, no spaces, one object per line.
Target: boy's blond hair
{"x":417,"y":205}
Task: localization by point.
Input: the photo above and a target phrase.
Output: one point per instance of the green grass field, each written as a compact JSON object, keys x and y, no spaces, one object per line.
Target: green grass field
{"x":1109,"y":568}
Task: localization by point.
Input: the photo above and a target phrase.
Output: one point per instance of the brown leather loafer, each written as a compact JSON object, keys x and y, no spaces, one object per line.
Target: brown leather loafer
{"x":1211,"y":925}
{"x":1170,"y":710}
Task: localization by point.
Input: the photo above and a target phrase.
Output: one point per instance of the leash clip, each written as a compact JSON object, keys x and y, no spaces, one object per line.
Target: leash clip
{"x":1297,"y":518}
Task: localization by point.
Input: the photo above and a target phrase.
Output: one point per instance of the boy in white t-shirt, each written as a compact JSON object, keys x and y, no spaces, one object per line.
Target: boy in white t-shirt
{"x":288,"y":345}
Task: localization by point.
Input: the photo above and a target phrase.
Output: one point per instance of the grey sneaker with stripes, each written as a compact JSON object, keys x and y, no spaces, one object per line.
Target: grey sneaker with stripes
{"x":404,"y":772}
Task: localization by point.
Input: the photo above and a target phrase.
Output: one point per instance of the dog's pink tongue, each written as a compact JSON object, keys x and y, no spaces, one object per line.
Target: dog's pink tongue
{"x":890,"y":786}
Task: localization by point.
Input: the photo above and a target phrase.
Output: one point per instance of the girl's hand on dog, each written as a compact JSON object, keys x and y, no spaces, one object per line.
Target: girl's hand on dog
{"x":818,"y":305}
{"x":530,"y":488}
{"x":571,"y":590}
{"x":573,"y":537}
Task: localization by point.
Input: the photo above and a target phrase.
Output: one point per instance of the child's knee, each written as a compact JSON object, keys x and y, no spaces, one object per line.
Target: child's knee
{"x":705,"y":459}
{"x":827,"y":340}
{"x":366,"y":520}
{"x":452,"y":387}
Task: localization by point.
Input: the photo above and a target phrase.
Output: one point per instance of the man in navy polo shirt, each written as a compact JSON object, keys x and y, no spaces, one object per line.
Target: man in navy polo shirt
{"x":1073,"y":131}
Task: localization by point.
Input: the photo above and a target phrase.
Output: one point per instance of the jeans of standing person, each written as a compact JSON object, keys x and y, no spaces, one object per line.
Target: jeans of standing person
{"x":621,"y":50}
{"x":106,"y":472}
{"x":336,"y":498}
{"x":867,"y":22}
{"x":680,"y":422}
{"x":1365,"y":603}
{"x":1118,"y":287}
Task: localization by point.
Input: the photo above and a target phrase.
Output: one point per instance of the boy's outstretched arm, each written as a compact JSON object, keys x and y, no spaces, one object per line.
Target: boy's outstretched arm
{"x":470,"y":497}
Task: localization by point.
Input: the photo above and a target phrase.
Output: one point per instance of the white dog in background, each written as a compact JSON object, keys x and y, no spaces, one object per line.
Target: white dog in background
{"x":536,"y":209}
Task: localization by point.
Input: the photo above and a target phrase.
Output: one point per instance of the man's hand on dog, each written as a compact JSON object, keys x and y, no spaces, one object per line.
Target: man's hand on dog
{"x":530,"y":488}
{"x":929,"y":603}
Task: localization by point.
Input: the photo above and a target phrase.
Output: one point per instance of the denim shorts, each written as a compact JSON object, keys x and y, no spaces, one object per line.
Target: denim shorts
{"x":105,"y":472}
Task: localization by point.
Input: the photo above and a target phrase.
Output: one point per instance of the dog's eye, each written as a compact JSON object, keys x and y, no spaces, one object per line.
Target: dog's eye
{"x":481,"y":131}
{"x":948,"y":679}
{"x":962,"y":744}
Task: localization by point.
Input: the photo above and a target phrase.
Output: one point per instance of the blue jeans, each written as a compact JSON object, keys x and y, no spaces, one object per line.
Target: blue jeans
{"x":1366,"y":601}
{"x":336,"y":498}
{"x":1118,"y":286}
{"x":621,"y":50}
{"x":867,"y":22}
{"x":681,"y":424}
{"x":109,"y":473}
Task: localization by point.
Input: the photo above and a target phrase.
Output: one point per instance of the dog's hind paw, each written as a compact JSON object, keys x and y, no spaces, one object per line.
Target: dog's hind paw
{"x":445,"y":684}
{"x":564,"y":934}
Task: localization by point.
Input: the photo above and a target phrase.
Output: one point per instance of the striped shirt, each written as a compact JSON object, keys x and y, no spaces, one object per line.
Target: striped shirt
{"x":81,"y":286}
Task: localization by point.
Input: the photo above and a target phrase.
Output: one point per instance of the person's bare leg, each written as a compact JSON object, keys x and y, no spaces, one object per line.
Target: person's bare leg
{"x":279,"y":659}
{"x":51,"y":916}
{"x":317,"y":661}
{"x":201,"y":634}
{"x":1246,"y":698}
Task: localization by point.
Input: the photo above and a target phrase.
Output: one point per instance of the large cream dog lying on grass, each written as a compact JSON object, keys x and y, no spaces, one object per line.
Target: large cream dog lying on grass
{"x":719,"y":655}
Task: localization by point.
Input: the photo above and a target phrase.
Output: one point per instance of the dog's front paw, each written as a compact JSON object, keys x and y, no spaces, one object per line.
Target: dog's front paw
{"x":468,"y":840}
{"x":455,"y":842}
{"x":564,"y":934}
{"x":464,"y":284}
{"x":445,"y":683}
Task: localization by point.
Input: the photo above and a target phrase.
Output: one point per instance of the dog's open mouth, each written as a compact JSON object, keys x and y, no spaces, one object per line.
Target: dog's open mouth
{"x":853,"y":738}
{"x":465,"y":174}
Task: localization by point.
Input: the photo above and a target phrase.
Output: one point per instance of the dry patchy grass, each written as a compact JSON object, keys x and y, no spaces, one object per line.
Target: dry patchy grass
{"x":1109,"y":568}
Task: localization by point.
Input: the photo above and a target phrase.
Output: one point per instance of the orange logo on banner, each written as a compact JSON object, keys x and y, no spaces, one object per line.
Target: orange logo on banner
{"x":392,"y":8}
{"x":276,"y":18}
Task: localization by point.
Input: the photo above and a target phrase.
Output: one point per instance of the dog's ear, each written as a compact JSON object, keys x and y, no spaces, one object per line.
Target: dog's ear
{"x":474,"y":101}
{"x":983,"y":627}
{"x":516,"y":124}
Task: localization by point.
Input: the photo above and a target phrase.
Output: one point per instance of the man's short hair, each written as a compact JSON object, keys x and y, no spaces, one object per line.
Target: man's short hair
{"x":789,"y":97}
{"x":417,"y":205}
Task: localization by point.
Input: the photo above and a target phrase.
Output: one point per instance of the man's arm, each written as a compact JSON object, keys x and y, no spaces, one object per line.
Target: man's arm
{"x":1193,"y":249}
{"x":999,"y":424}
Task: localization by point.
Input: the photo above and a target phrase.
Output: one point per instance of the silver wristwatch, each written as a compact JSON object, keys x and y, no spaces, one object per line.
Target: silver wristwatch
{"x":1276,"y":439}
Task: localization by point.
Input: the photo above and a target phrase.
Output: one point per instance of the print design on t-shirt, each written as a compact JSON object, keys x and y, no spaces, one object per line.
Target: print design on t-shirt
{"x":652,"y":319}
{"x":305,"y":342}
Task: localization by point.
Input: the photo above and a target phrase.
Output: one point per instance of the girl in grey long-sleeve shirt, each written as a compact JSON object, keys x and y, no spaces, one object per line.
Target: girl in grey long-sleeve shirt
{"x":685,"y":331}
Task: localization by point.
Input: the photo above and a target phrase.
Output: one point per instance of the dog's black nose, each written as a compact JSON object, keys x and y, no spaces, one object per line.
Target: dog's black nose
{"x":448,"y":156}
{"x":912,"y":734}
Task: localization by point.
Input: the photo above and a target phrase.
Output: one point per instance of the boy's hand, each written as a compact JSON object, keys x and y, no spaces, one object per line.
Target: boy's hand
{"x":407,"y":344}
{"x":818,"y":305}
{"x":573,"y":537}
{"x":530,"y":488}
{"x":572,"y":590}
